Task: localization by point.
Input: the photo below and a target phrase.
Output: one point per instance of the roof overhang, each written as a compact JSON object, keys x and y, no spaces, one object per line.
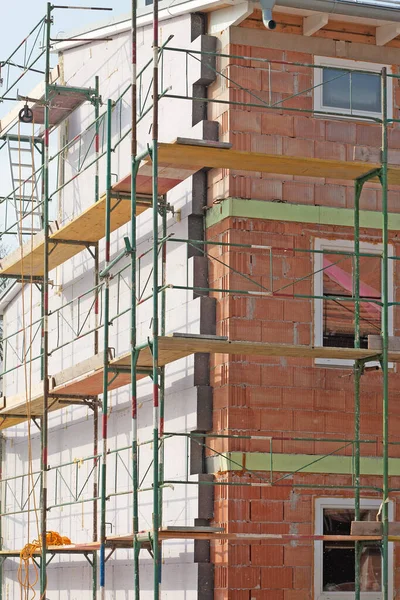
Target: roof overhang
{"x":8,"y":294}
{"x":377,"y":13}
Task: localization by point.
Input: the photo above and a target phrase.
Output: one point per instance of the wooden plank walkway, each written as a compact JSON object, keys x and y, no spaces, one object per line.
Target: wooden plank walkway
{"x":86,"y":378}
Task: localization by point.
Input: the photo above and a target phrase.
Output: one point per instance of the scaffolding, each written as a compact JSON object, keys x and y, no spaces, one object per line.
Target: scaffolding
{"x":84,"y":383}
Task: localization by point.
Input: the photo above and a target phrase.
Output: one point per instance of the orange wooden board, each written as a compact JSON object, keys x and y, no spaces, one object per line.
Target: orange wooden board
{"x":86,"y":378}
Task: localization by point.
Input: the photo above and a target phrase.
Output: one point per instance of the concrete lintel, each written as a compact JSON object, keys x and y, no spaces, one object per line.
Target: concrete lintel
{"x":298,"y":213}
{"x":303,"y":463}
{"x":314,"y":23}
{"x":314,"y":45}
{"x":387,"y":33}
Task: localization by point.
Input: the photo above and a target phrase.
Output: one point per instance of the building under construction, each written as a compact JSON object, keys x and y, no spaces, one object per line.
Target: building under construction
{"x":200,"y":341}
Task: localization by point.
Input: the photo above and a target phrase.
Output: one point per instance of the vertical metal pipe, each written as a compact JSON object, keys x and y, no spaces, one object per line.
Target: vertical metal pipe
{"x":2,"y":453}
{"x":45,"y":333}
{"x":105,"y":359}
{"x":162,"y":370}
{"x":96,"y":340}
{"x":156,"y":549}
{"x":133,"y":340}
{"x":357,"y":381}
{"x":385,"y":342}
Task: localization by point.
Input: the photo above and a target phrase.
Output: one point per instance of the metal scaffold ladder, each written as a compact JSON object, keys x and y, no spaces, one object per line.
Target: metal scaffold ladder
{"x":26,"y":186}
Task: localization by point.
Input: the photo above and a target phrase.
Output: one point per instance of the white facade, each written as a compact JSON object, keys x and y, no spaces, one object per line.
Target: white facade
{"x":70,"y":430}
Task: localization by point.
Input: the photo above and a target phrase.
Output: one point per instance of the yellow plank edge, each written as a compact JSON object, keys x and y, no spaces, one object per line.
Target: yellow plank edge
{"x":86,"y":378}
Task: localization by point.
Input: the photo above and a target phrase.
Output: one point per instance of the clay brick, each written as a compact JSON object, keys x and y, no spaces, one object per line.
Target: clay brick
{"x":369,"y":135}
{"x":276,"y":577}
{"x":330,"y":150}
{"x":338,"y":131}
{"x":298,"y":102}
{"x":272,"y":595}
{"x":267,"y":144}
{"x":298,"y":509}
{"x":278,"y":82}
{"x":339,"y":423}
{"x":302,"y":578}
{"x":266,"y":511}
{"x":266,"y":309}
{"x":298,"y":556}
{"x":241,"y":120}
{"x":394,"y":157}
{"x":298,"y":147}
{"x":299,"y":193}
{"x":302,"y":334}
{"x":296,"y":595}
{"x":246,"y":78}
{"x":303,"y":83}
{"x":330,"y":400}
{"x":309,"y":421}
{"x":298,"y":311}
{"x":239,"y":187}
{"x":244,"y":577}
{"x":268,"y":54}
{"x":238,"y":50}
{"x":277,"y":332}
{"x":264,"y":555}
{"x":246,"y":419}
{"x":276,"y":376}
{"x":394,"y":137}
{"x":240,"y":141}
{"x":309,"y":128}
{"x":245,"y":373}
{"x":298,"y":57}
{"x":239,"y":510}
{"x":263,"y":397}
{"x":330,"y":195}
{"x":244,"y":492}
{"x":277,"y":420}
{"x":264,"y":189}
{"x":274,"y":124}
{"x":244,"y":329}
{"x":298,"y":398}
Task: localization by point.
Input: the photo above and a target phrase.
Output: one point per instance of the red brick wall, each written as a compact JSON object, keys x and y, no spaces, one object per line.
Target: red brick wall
{"x":279,"y":396}
{"x":285,"y":132}
{"x":283,"y":398}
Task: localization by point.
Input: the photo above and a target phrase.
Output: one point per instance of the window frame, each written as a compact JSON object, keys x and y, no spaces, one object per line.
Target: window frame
{"x":340,"y":63}
{"x":347,"y":246}
{"x":344,"y":503}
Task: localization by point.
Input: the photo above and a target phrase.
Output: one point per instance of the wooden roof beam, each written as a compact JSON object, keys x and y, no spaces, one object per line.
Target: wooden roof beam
{"x":314,"y":23}
{"x":387,"y":33}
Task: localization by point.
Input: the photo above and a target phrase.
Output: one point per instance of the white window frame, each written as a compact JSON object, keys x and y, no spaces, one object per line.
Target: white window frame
{"x":340,"y":63}
{"x":346,"y":246}
{"x":344,"y":503}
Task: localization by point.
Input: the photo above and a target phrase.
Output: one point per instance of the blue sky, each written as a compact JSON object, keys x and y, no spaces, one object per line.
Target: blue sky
{"x":18,"y":18}
{"x":21,"y":16}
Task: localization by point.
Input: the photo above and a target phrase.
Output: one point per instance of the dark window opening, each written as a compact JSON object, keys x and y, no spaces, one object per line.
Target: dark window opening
{"x":351,"y":91}
{"x":339,"y":557}
{"x":339,"y":307}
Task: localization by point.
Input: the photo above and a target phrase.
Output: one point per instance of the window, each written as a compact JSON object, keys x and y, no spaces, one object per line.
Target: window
{"x":334,"y":316}
{"x":341,"y":91}
{"x":334,"y":561}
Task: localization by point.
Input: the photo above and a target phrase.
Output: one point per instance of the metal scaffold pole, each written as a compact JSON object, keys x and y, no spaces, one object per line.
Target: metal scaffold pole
{"x":105,"y":359}
{"x":162,"y":370}
{"x":45,"y":310}
{"x":96,"y":341}
{"x":156,"y":548}
{"x":133,"y":335}
{"x":357,"y":380}
{"x":385,"y":342}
